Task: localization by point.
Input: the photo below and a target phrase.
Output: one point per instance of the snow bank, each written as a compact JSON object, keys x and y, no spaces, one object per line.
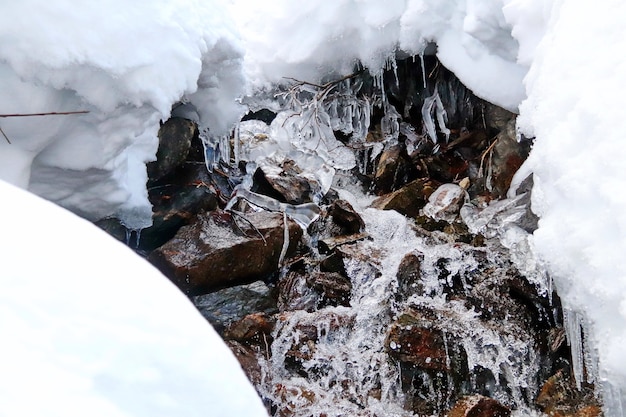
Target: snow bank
{"x":574,"y":108}
{"x":126,"y":64}
{"x":95,"y":330}
{"x":320,"y":39}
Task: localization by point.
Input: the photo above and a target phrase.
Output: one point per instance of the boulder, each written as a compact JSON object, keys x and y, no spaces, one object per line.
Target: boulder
{"x":220,"y":250}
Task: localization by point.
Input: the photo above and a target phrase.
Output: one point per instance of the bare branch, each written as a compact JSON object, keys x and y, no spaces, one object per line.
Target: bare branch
{"x":5,"y":136}
{"x":45,"y":114}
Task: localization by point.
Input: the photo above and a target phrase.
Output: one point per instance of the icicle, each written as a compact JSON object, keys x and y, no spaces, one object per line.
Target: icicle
{"x":283,"y":251}
{"x":129,"y":238}
{"x":434,"y":103}
{"x":423,"y":68}
{"x":573,"y":322}
{"x":237,"y":145}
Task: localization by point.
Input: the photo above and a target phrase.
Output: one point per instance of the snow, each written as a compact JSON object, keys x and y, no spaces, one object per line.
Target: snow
{"x":574,"y":108}
{"x":124,"y":63}
{"x":89,"y":328}
{"x":326,"y":39}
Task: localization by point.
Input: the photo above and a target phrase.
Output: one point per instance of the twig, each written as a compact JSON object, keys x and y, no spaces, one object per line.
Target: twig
{"x":482,"y":158}
{"x":5,"y":136}
{"x":233,"y":212}
{"x":45,"y":114}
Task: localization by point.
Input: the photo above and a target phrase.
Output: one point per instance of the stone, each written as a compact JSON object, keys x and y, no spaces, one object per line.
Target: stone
{"x":333,"y":289}
{"x":176,"y":200}
{"x":408,"y":200}
{"x":223,"y":307}
{"x":478,"y":406}
{"x":329,"y":244}
{"x":507,"y":157}
{"x":410,"y":340}
{"x":409,"y":276}
{"x":559,"y":397}
{"x":247,"y":357}
{"x":220,"y":250}
{"x":392,"y":171}
{"x":346,"y":217}
{"x":175,"y":137}
{"x":253,"y":329}
{"x":446,"y":202}
{"x":287,"y":186}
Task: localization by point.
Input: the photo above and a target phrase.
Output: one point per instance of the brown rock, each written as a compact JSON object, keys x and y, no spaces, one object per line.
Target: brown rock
{"x":392,"y":170}
{"x":408,"y":200}
{"x":247,"y":357}
{"x":559,"y":397}
{"x":253,"y":329}
{"x":286,"y":186}
{"x":508,"y":156}
{"x":344,"y":216}
{"x":217,"y":250}
{"x":334,"y":289}
{"x":175,"y":137}
{"x":409,"y":276}
{"x":478,"y":406}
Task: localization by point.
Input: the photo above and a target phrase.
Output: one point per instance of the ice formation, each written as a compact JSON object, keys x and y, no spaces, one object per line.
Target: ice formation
{"x":89,"y":328}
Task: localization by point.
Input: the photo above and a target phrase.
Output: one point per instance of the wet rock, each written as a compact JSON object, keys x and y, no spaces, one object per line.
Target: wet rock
{"x":175,"y":137}
{"x":253,"y":329}
{"x":219,"y":250}
{"x":337,"y":220}
{"x":393,"y":170}
{"x":176,"y":200}
{"x":409,"y":275}
{"x":446,"y":202}
{"x":294,"y":293}
{"x":412,"y":339}
{"x":408,"y":200}
{"x":223,"y":307}
{"x":286,"y":186}
{"x":508,"y":155}
{"x":247,"y":357}
{"x":346,"y":218}
{"x":329,"y":244}
{"x":334,"y":289}
{"x":559,"y":397}
{"x":479,"y":406}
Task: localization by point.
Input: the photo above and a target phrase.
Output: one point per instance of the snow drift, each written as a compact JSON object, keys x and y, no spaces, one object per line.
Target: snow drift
{"x":92,"y":329}
{"x":125,"y":64}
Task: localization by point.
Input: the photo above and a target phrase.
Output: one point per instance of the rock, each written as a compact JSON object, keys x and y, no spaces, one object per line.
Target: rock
{"x":409,"y":275}
{"x":508,"y":155}
{"x":254,"y":329}
{"x":286,"y":186}
{"x":175,"y":137}
{"x":294,"y":293}
{"x":329,"y":244}
{"x":446,"y":202}
{"x":478,"y":406}
{"x":335,"y":224}
{"x":176,"y":200}
{"x":333,"y":289}
{"x":247,"y":357}
{"x":559,"y":397}
{"x":346,"y":218}
{"x":223,"y":307}
{"x":408,"y":200}
{"x":393,"y":170}
{"x":219,"y":250}
{"x":411,"y":340}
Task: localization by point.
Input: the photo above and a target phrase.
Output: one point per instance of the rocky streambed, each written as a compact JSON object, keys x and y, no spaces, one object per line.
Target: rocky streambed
{"x":400,"y":284}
